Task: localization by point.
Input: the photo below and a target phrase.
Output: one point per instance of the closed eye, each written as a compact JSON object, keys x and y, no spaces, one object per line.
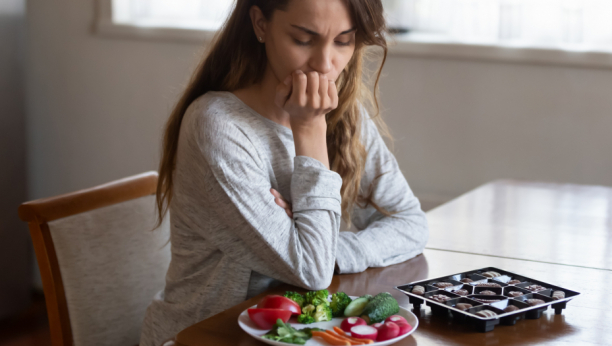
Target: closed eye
{"x":308,"y":43}
{"x":302,"y":43}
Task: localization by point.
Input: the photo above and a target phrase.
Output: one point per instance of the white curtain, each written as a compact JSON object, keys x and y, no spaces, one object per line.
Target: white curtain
{"x":580,"y":23}
{"x":537,"y":22}
{"x":193,"y":14}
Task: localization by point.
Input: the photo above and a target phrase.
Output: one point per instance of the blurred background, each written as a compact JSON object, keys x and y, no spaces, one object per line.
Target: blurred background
{"x":473,"y":91}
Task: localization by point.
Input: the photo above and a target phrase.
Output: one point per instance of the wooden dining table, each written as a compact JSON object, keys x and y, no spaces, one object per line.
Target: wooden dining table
{"x":522,"y":227}
{"x":545,"y":222}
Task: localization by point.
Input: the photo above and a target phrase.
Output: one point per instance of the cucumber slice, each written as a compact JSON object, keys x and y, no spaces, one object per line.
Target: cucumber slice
{"x":355,"y":308}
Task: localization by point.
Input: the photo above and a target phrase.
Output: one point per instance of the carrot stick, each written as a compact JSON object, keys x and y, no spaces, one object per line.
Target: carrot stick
{"x":346,"y":338}
{"x":331,"y":339}
{"x":363,"y":341}
{"x":340,"y":331}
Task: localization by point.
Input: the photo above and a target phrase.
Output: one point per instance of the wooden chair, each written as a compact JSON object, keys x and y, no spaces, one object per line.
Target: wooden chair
{"x":100,"y":261}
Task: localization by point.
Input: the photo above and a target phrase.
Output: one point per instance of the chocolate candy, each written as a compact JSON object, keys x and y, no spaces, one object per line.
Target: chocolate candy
{"x":534,"y":302}
{"x":440,"y":298}
{"x":420,"y":290}
{"x":488,"y":284}
{"x":443,"y":284}
{"x":491,"y":274}
{"x":461,"y":292}
{"x":511,"y":308}
{"x":515,"y":293}
{"x":486,"y":313}
{"x":514,"y":282}
{"x":487,"y":293}
{"x":558,"y":295}
{"x":535,"y":288}
{"x":466,"y":280}
{"x":463,"y":306}
{"x":486,"y":300}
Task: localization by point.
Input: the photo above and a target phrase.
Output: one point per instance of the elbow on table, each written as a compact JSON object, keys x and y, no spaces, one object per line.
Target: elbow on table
{"x":319,"y":282}
{"x":417,"y":231}
{"x":414,"y":222}
{"x":423,"y":237}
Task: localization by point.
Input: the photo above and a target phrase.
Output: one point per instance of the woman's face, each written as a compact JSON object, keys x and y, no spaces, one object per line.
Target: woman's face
{"x":310,"y":35}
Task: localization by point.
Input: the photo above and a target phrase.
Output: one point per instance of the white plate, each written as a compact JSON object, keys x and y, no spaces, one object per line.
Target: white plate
{"x":253,"y":330}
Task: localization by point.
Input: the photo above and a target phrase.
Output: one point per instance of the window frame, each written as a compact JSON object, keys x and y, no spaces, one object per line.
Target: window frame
{"x":413,"y":45}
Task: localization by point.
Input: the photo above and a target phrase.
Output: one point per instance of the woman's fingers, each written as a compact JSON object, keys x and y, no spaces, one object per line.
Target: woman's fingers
{"x":314,"y":101}
{"x":281,"y":202}
{"x":276,"y":193}
{"x":323,"y":89}
{"x":289,"y":211}
{"x":283,"y":90}
{"x":299,"y":88}
{"x":307,"y":96}
{"x":278,"y":199}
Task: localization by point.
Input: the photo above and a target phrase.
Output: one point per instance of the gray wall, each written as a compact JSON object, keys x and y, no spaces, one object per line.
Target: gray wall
{"x":460,"y":124}
{"x":15,"y":249}
{"x":96,"y":107}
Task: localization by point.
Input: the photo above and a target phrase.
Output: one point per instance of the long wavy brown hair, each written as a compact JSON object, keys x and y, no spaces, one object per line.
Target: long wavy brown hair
{"x":236,"y":60}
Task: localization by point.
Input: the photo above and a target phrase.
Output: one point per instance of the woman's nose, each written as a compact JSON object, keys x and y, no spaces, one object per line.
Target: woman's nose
{"x":321,"y":61}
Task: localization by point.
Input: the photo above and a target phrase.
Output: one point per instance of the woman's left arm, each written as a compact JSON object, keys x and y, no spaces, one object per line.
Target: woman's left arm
{"x":382,"y":240}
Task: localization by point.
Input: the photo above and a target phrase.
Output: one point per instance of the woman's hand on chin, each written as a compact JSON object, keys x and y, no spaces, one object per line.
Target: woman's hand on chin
{"x":307,"y":97}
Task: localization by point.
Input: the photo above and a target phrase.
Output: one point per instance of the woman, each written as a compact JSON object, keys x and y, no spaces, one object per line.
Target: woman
{"x":248,"y":149}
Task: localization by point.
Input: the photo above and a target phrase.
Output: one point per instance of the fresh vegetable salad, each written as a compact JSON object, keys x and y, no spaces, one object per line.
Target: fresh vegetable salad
{"x":366,"y":319}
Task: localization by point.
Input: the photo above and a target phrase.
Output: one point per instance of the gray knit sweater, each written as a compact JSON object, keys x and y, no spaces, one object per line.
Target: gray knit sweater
{"x":230,"y":241}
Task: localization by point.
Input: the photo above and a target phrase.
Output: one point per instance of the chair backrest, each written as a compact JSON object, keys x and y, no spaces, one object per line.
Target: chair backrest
{"x":100,"y":262}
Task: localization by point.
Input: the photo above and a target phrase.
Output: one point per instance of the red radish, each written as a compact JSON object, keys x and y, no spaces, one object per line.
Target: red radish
{"x":396,"y":319}
{"x":388,"y":331}
{"x":350,"y":322}
{"x":279,"y":302}
{"x":404,"y":327}
{"x":364,"y":332}
{"x":377,"y":325}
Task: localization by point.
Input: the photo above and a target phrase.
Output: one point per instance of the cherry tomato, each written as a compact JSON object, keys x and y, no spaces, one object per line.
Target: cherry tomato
{"x":266,"y":318}
{"x":279,"y":302}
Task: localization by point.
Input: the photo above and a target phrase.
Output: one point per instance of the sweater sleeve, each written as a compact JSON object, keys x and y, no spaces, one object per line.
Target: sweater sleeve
{"x":255,"y":231}
{"x":382,"y":241}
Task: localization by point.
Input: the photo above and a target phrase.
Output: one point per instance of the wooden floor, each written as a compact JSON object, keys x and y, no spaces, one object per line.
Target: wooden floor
{"x":29,"y":328}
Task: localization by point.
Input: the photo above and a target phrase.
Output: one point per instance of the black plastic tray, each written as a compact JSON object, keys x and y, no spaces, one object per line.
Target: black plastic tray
{"x":496,"y":303}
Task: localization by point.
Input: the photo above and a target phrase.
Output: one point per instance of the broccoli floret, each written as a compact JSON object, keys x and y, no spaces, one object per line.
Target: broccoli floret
{"x":305,"y":319}
{"x":312,"y":295}
{"x":340,"y":301}
{"x":296,"y":297}
{"x":323,"y":313}
{"x":308,"y":310}
{"x":307,"y":315}
{"x":319,"y":301}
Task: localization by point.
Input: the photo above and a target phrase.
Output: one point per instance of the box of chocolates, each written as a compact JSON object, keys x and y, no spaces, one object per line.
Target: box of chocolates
{"x":487,"y":297}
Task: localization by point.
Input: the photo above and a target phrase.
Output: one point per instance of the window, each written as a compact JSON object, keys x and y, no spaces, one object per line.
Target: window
{"x":543,"y":23}
{"x":565,"y":32}
{"x":532,"y":22}
{"x":187,"y":14}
